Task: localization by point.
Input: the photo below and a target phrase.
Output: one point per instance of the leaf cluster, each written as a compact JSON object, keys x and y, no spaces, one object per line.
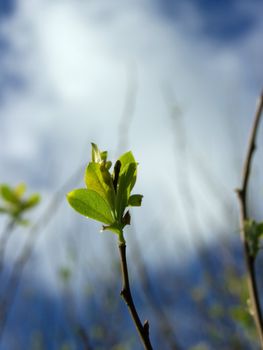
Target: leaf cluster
{"x":14,"y":203}
{"x":107,"y":194}
{"x":253,"y":234}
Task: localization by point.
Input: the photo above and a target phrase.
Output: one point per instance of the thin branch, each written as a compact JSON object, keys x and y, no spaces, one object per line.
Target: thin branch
{"x":83,"y":334}
{"x":16,"y":274}
{"x":242,"y":196}
{"x":4,"y":240}
{"x":156,"y":305}
{"x":142,"y":329}
{"x":128,"y":109}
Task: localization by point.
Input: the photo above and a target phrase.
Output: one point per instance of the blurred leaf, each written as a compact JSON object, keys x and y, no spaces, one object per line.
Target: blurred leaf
{"x":8,"y":194}
{"x":32,"y":201}
{"x":89,"y":203}
{"x":201,"y":346}
{"x":65,"y":274}
{"x":20,"y":190}
{"x":241,"y":315}
{"x":216,"y":310}
{"x":253,"y":233}
{"x":3,"y":210}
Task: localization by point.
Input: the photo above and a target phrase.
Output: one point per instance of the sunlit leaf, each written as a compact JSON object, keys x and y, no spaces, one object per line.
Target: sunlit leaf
{"x":89,"y":203}
{"x":95,"y":153}
{"x":125,"y":180}
{"x":108,"y":195}
{"x":125,"y":159}
{"x":98,"y":179}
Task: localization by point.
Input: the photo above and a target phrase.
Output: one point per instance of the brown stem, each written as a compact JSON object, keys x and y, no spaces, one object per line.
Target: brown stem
{"x":242,"y":196}
{"x":142,"y":329}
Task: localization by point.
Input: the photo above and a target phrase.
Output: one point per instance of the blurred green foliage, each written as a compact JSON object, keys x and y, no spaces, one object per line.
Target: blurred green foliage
{"x":15,"y":204}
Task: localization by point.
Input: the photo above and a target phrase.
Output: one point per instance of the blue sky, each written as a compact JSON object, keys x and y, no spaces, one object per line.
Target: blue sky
{"x":186,"y":74}
{"x":66,"y":67}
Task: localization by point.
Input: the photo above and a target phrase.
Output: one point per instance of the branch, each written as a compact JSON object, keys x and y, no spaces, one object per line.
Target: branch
{"x":4,"y":240}
{"x":142,"y":329}
{"x":242,"y":196}
{"x":160,"y":315}
{"x":7,"y":299}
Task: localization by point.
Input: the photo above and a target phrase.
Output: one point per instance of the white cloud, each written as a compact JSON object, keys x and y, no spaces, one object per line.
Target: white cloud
{"x":74,"y":56}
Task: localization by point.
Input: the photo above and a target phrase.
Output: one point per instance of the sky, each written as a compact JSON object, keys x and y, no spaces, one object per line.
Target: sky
{"x":179,"y":80}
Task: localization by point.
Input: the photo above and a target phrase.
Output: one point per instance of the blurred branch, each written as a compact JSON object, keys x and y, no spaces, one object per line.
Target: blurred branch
{"x":84,"y":337}
{"x":193,"y":224}
{"x":143,"y":330}
{"x":128,"y":109}
{"x":4,"y":239}
{"x":20,"y":263}
{"x":242,"y":196}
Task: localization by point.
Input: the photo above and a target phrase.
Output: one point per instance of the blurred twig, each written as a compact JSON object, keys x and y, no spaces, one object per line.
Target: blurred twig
{"x":4,"y":239}
{"x":128,"y":109}
{"x":193,"y":225}
{"x":242,"y":196}
{"x":20,"y":263}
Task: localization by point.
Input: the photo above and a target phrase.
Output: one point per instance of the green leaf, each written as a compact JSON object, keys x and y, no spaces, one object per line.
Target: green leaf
{"x":95,"y":153}
{"x":31,"y":202}
{"x":89,"y":203}
{"x":8,"y":194}
{"x":241,"y":315}
{"x":115,"y":228}
{"x":65,"y":274}
{"x":135,"y":200}
{"x":20,"y":190}
{"x":123,"y":191}
{"x":253,"y":233}
{"x":125,"y":159}
{"x":98,"y":179}
{"x":104,"y":155}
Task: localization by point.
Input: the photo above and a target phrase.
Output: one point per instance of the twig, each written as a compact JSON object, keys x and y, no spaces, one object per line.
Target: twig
{"x":242,"y":196}
{"x":143,"y":329}
{"x":156,"y":305}
{"x":128,"y":108}
{"x":83,"y":334}
{"x":16,"y":274}
{"x":4,"y":239}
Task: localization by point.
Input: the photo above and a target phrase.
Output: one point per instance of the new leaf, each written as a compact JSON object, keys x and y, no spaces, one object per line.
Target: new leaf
{"x":89,"y":203}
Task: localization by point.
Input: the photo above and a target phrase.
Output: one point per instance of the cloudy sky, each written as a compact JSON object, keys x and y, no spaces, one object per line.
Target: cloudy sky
{"x":176,"y":82}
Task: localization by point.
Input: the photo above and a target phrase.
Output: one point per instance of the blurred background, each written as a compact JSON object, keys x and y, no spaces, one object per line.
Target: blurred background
{"x":177,"y":83}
